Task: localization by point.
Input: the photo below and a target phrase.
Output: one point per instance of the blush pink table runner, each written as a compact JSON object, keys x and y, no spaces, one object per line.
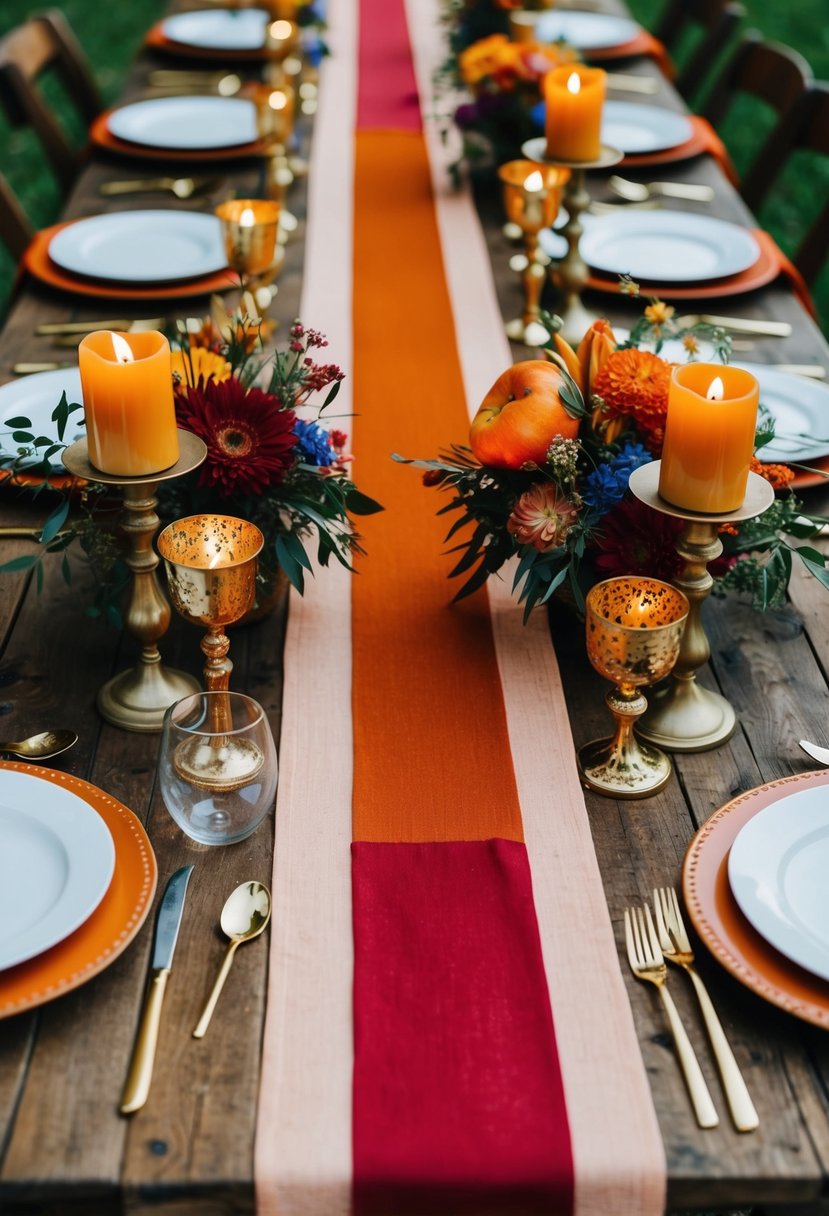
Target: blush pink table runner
{"x":447,"y":1026}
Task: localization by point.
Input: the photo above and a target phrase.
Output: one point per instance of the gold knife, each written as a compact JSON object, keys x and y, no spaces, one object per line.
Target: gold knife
{"x":87,"y":327}
{"x":740,"y":325}
{"x":168,"y":923}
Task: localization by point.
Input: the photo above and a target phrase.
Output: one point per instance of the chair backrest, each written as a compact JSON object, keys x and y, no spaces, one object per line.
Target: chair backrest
{"x":45,"y":42}
{"x":812,"y":133}
{"x":15,"y":229}
{"x":717,"y":21}
{"x":780,"y":77}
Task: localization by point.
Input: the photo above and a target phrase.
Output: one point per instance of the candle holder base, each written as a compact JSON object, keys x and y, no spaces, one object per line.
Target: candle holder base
{"x":137,"y":699}
{"x":531,"y":333}
{"x":686,"y":717}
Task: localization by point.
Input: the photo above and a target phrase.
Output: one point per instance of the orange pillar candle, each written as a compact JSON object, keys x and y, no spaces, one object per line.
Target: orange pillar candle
{"x":574,"y":97}
{"x":127,"y":384}
{"x":709,"y":437}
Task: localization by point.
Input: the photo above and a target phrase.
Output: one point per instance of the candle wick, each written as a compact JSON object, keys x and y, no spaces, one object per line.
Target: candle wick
{"x":716,"y":390}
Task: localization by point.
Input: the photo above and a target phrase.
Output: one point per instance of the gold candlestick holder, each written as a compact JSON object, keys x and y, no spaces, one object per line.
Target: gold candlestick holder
{"x":138,"y":698}
{"x":211,"y":563}
{"x":570,"y":276}
{"x":686,"y":717}
{"x":532,"y":195}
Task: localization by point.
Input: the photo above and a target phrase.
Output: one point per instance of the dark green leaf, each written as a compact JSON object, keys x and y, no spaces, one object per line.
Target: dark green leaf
{"x":23,"y":436}
{"x":55,"y":521}
{"x":19,"y":563}
{"x":360,"y":504}
{"x":17,"y":423}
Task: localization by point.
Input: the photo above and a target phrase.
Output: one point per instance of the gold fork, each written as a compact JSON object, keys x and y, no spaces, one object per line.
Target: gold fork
{"x":677,"y":949}
{"x":647,"y":963}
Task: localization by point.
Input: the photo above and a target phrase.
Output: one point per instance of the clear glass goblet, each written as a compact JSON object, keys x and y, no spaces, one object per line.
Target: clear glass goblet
{"x":217,"y":767}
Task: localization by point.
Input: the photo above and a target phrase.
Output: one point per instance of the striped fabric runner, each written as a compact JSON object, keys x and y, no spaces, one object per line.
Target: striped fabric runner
{"x":447,"y":1027}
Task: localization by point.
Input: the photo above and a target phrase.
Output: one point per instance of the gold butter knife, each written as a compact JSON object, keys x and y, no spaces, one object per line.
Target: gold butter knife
{"x":740,"y":325}
{"x":168,"y":923}
{"x":49,"y":328}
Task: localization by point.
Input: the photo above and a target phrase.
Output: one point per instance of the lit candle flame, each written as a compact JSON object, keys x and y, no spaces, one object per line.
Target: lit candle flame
{"x":247,"y":219}
{"x":534,"y":182}
{"x":280,"y":30}
{"x":716,"y":390}
{"x":277,"y":100}
{"x":574,"y":83}
{"x":123,"y":351}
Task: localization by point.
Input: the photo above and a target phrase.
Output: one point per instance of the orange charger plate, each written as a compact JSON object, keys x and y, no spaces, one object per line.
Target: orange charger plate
{"x":764,"y":271}
{"x":37,"y":261}
{"x":102,"y":137}
{"x":714,"y":913}
{"x":157,"y":39}
{"x":113,"y":924}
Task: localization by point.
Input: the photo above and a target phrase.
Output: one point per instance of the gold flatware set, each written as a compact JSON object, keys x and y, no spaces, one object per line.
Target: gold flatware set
{"x":245,"y":915}
{"x":182,"y":187}
{"x":652,"y":941}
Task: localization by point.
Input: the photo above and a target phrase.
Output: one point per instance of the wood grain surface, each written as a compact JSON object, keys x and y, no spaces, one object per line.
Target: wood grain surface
{"x":63,"y":1147}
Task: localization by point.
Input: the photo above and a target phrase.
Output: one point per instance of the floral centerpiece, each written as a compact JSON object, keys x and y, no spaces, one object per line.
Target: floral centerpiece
{"x":271,"y":457}
{"x":544,"y":477}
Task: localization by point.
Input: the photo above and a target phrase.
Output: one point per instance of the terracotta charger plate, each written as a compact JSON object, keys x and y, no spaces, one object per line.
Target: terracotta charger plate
{"x":113,"y":924}
{"x":764,"y":271}
{"x":702,"y":140}
{"x":102,"y":137}
{"x":158,"y":40}
{"x":37,"y":261}
{"x":714,"y":913}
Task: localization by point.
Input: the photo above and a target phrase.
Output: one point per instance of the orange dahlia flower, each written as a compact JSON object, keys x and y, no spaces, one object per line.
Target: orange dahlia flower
{"x":634,"y":384}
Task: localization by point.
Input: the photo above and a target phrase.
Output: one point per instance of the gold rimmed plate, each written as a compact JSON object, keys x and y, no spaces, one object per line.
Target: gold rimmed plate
{"x":723,"y":928}
{"x":114,"y":922}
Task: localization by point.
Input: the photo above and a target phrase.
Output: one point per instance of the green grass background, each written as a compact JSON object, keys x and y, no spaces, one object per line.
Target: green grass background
{"x":111,"y":35}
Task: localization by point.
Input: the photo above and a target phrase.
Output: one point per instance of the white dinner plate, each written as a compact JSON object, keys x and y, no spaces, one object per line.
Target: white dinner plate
{"x":667,"y":246}
{"x":777,"y":869}
{"x":634,"y":128}
{"x":35,"y":397}
{"x":800,"y":409}
{"x":141,"y":246}
{"x":220,"y":29}
{"x":186,"y":123}
{"x":585,"y":31}
{"x":56,"y":862}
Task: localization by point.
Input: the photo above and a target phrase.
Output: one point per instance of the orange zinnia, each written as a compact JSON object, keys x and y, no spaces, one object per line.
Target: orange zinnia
{"x":778,"y":475}
{"x":634,"y":382}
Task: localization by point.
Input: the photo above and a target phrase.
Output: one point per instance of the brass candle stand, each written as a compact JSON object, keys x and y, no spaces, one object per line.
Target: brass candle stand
{"x":570,"y":276}
{"x":532,"y":194}
{"x":137,"y":699}
{"x":686,"y":717}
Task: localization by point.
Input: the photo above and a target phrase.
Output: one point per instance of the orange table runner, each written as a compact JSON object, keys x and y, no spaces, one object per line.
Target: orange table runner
{"x":448,"y":1085}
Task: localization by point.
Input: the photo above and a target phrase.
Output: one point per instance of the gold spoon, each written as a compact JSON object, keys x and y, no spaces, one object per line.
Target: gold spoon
{"x":181,"y":187}
{"x":42,"y":746}
{"x":246,"y":912}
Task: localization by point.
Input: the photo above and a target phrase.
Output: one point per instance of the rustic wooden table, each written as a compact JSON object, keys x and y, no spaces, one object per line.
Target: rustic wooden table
{"x":63,"y":1147}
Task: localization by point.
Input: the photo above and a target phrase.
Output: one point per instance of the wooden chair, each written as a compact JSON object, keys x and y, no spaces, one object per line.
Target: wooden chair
{"x":776,"y":75}
{"x":46,"y":42}
{"x":809,"y":131}
{"x":15,"y":229}
{"x":717,"y":20}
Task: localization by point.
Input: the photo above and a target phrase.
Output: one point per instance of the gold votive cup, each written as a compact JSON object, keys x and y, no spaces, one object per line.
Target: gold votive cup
{"x":275,"y":110}
{"x":249,"y":228}
{"x":281,"y":39}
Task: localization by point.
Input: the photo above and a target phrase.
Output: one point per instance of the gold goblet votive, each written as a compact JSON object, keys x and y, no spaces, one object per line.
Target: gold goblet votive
{"x":275,"y":110}
{"x":281,"y":41}
{"x":211,"y":563}
{"x":532,"y":194}
{"x":634,"y":630}
{"x":249,"y":228}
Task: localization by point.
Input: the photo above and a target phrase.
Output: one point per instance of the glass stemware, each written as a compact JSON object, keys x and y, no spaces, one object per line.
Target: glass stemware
{"x":217,"y":766}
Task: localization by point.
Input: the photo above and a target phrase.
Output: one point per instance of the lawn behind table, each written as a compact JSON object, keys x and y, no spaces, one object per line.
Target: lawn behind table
{"x":111,"y":35}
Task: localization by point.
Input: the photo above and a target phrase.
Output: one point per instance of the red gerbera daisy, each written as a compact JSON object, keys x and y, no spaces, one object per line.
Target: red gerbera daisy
{"x":249,"y":437}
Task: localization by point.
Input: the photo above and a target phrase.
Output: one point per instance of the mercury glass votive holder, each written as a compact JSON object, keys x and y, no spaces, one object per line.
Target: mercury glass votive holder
{"x":249,"y":229}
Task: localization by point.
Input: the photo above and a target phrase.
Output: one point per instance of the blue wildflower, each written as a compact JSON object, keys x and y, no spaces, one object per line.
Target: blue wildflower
{"x":605,"y":485}
{"x":313,"y":443}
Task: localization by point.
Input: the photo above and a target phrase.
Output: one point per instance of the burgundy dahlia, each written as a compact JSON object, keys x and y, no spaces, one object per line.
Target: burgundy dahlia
{"x":250,"y":439}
